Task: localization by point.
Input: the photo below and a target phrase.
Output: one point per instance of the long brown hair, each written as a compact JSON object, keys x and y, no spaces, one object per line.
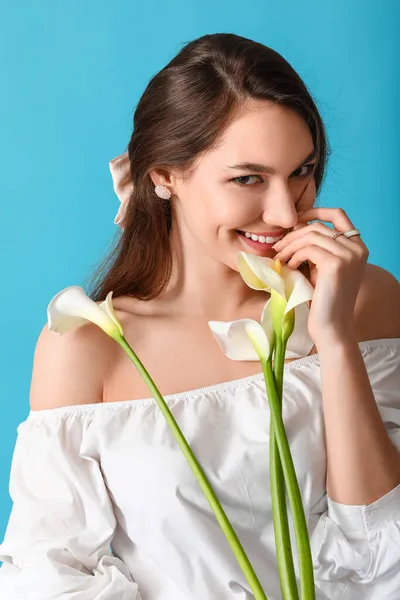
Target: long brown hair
{"x":183,"y":110}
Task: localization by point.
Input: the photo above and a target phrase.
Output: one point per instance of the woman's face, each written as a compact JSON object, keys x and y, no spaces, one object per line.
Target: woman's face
{"x":221,"y":201}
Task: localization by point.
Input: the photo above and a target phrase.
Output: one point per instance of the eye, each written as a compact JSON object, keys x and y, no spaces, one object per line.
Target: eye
{"x":243,"y":180}
{"x":309,"y":169}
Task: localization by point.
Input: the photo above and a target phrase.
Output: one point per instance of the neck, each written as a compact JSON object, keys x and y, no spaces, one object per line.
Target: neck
{"x":202,"y":286}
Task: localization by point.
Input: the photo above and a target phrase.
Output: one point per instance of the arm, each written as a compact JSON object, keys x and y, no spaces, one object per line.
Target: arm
{"x":57,"y":542}
{"x":362,"y":462}
{"x":355,"y":528}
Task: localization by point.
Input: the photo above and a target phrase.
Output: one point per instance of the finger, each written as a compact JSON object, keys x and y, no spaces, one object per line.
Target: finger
{"x":336,"y":216}
{"x":340,"y":221}
{"x":314,"y":254}
{"x":299,"y":225}
{"x":354,"y":244}
{"x":314,"y":238}
{"x":293,"y":235}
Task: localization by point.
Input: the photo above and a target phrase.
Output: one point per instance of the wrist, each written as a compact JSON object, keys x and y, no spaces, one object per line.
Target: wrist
{"x":336,"y":338}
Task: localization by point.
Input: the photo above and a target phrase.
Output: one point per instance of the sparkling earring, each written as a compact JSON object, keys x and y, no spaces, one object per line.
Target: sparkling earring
{"x":162,"y":192}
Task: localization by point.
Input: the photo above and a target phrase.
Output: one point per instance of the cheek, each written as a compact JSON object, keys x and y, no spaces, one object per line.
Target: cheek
{"x":236,"y":208}
{"x":214,"y":209}
{"x":220,"y":208}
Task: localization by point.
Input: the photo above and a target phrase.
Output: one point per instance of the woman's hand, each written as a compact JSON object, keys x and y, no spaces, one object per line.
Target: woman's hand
{"x":336,"y":270}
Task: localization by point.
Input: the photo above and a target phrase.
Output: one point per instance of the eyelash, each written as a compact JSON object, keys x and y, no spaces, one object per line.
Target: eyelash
{"x":236,"y":179}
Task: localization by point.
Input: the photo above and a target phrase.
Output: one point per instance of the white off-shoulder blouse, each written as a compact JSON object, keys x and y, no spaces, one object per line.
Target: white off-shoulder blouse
{"x":107,"y":508}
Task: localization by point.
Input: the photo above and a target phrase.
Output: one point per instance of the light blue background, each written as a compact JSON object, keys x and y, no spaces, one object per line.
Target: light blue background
{"x":71,"y":74}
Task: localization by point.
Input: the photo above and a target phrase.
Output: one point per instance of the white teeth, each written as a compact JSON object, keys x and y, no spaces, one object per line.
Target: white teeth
{"x":261,"y":238}
{"x":271,"y":240}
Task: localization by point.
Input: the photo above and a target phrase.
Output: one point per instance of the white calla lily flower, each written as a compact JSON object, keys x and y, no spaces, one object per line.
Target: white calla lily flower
{"x":244,"y":339}
{"x":288,"y":287}
{"x":260,"y":273}
{"x":72,"y":308}
{"x":237,"y":339}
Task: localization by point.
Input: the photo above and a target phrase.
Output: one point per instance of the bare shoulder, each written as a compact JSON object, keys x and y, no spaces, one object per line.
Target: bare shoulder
{"x":69,"y":369}
{"x":72,"y":369}
{"x":378,"y":304}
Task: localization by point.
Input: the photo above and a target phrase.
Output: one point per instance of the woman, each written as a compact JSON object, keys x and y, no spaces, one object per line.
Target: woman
{"x":227,"y":145}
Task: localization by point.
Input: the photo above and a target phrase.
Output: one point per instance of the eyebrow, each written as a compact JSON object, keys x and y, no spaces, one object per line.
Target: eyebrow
{"x":249,"y":166}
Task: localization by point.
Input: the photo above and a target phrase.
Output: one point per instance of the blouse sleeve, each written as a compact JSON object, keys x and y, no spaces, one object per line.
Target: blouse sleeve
{"x":356,"y":549}
{"x":57,"y":541}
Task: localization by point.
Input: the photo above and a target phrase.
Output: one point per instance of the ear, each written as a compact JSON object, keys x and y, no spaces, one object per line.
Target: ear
{"x":160,"y":176}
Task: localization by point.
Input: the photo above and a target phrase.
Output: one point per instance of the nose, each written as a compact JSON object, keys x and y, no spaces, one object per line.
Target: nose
{"x":279,"y":207}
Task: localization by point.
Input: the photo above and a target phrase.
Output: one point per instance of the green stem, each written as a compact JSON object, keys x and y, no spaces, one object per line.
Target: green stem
{"x":278,"y":494}
{"x":209,"y":493}
{"x":292,"y":486}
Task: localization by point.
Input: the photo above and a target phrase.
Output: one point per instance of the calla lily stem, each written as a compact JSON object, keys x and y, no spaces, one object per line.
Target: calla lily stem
{"x":278,"y":492}
{"x":209,"y":493}
{"x":293,"y":490}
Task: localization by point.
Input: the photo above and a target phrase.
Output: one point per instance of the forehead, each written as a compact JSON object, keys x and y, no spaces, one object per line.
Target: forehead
{"x":271,"y":134}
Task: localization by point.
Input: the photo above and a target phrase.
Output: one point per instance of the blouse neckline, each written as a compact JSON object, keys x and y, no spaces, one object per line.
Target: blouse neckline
{"x":312,"y":359}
